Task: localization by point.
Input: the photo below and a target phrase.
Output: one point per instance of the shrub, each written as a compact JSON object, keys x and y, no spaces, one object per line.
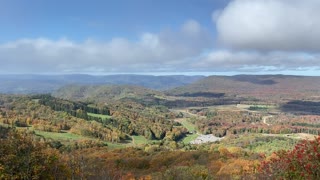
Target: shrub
{"x":303,"y":162}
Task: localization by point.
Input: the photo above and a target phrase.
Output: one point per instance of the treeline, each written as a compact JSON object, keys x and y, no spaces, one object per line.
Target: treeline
{"x":203,"y":102}
{"x":202,"y":94}
{"x":76,"y":109}
{"x":185,"y":101}
{"x":274,"y":129}
{"x":302,"y":107}
{"x":258,"y":108}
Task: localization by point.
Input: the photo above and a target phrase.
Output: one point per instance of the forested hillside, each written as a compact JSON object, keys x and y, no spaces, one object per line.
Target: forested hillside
{"x":105,"y":93}
{"x":32,"y":84}
{"x":216,"y":128}
{"x":266,"y":87}
{"x":108,"y":94}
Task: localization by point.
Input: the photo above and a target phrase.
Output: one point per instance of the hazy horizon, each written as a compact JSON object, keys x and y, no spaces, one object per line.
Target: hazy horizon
{"x":170,"y":74}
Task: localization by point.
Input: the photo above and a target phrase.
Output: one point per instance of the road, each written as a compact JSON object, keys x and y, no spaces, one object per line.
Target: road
{"x":264,"y":119}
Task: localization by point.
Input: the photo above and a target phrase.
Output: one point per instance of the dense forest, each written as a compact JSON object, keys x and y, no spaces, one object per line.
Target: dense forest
{"x":25,"y":156}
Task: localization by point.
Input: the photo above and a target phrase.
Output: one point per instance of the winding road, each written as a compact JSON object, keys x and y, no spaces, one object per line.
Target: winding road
{"x":264,"y":119}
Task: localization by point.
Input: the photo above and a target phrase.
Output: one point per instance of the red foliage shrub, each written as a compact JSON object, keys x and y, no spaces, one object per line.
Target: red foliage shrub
{"x":303,"y":162}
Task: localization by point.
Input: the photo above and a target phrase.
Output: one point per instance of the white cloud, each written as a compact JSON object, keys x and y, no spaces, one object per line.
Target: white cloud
{"x":258,"y":35}
{"x":270,"y":25}
{"x":227,"y":60}
{"x":151,"y":52}
{"x":266,"y":36}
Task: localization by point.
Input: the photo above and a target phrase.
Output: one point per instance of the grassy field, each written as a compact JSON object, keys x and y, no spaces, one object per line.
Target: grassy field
{"x":191,"y":127}
{"x":103,"y":117}
{"x":189,"y":138}
{"x":116,"y":145}
{"x":137,"y":140}
{"x":66,"y":136}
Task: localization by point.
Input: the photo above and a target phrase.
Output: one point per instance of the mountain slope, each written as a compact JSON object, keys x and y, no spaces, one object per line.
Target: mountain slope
{"x":26,"y":84}
{"x":105,"y":93}
{"x":258,"y":86}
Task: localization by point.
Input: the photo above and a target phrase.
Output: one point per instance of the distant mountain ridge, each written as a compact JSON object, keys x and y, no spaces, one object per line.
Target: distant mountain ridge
{"x":104,"y":93}
{"x":212,"y":90}
{"x":258,"y":86}
{"x":28,"y":84}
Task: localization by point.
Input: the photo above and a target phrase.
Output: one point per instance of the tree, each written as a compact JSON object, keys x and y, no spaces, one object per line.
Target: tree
{"x":303,"y":162}
{"x":22,"y":157}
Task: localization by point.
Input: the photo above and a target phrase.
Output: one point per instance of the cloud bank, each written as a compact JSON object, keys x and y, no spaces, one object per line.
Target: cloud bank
{"x":267,"y":35}
{"x":253,"y":36}
{"x":227,"y":60}
{"x":270,"y":25}
{"x":151,"y":52}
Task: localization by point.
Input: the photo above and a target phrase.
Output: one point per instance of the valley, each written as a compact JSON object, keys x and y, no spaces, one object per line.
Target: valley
{"x":160,"y":90}
{"x":208,"y":126}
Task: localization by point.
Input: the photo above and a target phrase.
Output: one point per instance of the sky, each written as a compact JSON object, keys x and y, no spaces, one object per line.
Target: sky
{"x":204,"y":37}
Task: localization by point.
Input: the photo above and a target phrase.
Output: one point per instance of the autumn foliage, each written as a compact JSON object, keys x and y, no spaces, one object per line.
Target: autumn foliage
{"x":303,"y":162}
{"x":23,"y":157}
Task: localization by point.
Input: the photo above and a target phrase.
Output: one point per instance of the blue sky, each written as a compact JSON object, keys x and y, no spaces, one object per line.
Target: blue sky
{"x":100,"y":19}
{"x":160,"y":36}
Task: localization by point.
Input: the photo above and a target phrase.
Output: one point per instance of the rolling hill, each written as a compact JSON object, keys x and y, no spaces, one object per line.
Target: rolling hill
{"x":257,"y":86}
{"x":32,"y":84}
{"x":210,"y":90}
{"x":106,"y":93}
